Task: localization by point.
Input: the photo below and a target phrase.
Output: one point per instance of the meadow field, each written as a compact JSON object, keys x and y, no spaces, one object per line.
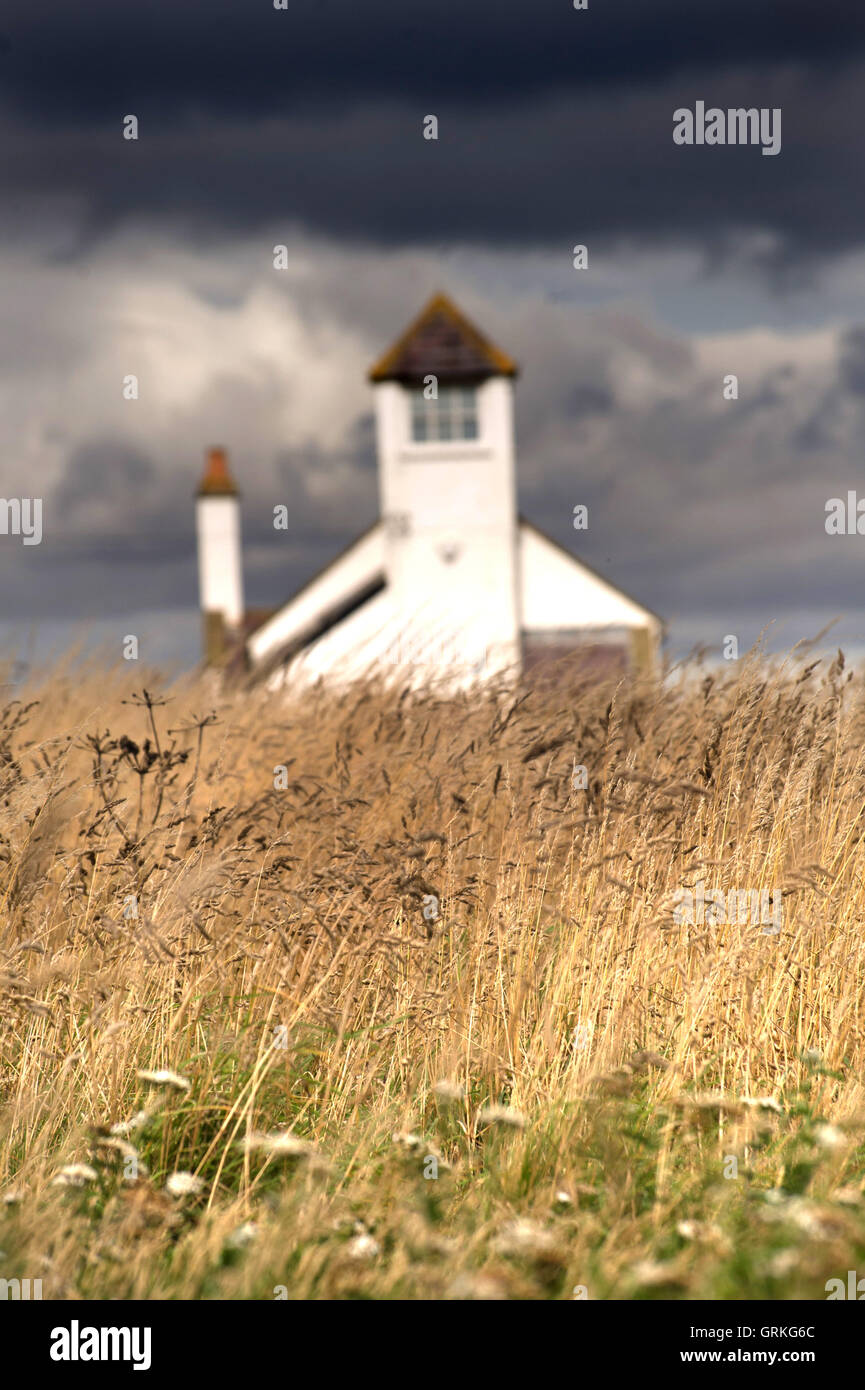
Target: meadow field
{"x":377,"y":995}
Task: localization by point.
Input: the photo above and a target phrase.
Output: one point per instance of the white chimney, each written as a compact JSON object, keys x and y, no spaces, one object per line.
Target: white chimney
{"x":220,"y":572}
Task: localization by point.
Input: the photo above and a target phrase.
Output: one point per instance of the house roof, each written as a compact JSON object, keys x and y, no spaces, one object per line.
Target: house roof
{"x":217,"y":480}
{"x":335,"y":613}
{"x":441,"y":342}
{"x":523,"y":522}
{"x":357,"y":594}
{"x":329,"y":565}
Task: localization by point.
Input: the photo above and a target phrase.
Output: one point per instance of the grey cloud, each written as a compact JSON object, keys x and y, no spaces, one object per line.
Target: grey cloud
{"x":852,"y":360}
{"x":102,"y":469}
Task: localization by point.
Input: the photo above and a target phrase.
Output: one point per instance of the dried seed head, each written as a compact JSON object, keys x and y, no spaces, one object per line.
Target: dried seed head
{"x":243,"y":1236}
{"x":449,"y":1092}
{"x":829,"y":1136}
{"x":641,"y":1061}
{"x":654,"y":1274}
{"x":783,"y":1264}
{"x":406,"y":1140}
{"x":138,"y":1121}
{"x":75,"y":1175}
{"x":699,"y":1230}
{"x":171,"y":1079}
{"x":123,"y":1149}
{"x":501,"y":1115}
{"x":763,"y":1103}
{"x":279,"y":1144}
{"x":482,"y":1288}
{"x":525,"y":1238}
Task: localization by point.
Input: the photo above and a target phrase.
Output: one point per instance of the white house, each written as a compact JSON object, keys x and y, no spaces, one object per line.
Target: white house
{"x":450,"y":583}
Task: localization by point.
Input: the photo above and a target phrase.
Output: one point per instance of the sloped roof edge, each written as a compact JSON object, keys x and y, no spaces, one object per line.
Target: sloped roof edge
{"x":489,"y":359}
{"x":523,"y":521}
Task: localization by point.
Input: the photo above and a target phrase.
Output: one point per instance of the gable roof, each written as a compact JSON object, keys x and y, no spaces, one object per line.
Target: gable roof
{"x":336,"y":613}
{"x":524,"y":524}
{"x":441,"y":342}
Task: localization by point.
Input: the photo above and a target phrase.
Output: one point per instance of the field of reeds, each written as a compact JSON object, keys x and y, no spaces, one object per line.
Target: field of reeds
{"x":366,"y":995}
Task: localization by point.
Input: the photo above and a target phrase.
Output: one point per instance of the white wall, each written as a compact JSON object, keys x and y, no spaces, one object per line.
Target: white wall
{"x":220,"y":572}
{"x":459,"y":498}
{"x":438,"y":613}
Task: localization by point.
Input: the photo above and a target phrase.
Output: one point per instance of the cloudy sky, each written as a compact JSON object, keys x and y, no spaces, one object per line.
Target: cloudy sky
{"x":304,"y":127}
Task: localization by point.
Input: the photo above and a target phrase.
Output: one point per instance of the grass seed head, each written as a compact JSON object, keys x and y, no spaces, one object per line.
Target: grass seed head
{"x":75,"y":1175}
{"x":172,"y":1079}
{"x":502,"y":1116}
{"x":449,"y":1092}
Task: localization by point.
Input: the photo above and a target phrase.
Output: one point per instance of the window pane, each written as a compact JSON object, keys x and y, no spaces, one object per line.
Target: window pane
{"x":452,"y":415}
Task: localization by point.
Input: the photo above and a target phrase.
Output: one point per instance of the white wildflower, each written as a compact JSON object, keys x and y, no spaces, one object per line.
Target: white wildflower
{"x":183,"y":1185}
{"x":363,"y":1247}
{"x":828,"y":1136}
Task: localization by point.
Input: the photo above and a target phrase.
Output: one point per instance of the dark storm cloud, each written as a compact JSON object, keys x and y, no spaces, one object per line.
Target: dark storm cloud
{"x":101,"y":469}
{"x":588,"y":399}
{"x":304,"y":126}
{"x":120,"y":527}
{"x":230,"y":56}
{"x":359,"y":453}
{"x":554,"y":123}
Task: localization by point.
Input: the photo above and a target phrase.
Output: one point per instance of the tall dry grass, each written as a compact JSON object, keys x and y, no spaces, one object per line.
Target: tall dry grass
{"x":441,"y":1032}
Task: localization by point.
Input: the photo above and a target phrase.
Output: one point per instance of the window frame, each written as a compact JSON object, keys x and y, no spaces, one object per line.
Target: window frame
{"x":445,"y":418}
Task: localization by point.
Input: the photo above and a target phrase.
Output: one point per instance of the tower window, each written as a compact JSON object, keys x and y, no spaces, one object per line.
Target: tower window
{"x":453,"y":414}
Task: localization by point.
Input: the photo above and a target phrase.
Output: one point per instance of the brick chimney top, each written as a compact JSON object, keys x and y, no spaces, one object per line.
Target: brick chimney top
{"x":217,"y":480}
